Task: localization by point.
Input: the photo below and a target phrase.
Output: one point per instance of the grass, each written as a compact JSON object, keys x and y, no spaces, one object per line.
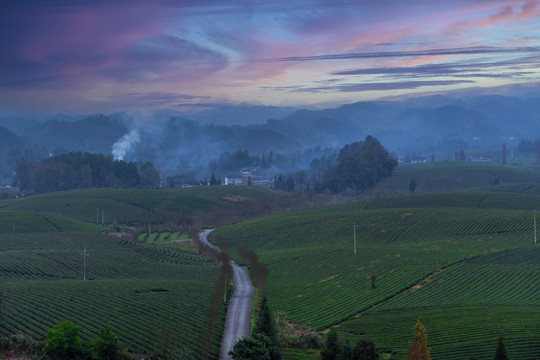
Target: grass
{"x":488,"y":260}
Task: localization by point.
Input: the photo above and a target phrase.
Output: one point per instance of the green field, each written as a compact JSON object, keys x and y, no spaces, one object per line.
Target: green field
{"x":456,"y":268}
{"x":202,"y":206}
{"x":141,"y":291}
{"x":444,"y":176}
{"x":462,"y":261}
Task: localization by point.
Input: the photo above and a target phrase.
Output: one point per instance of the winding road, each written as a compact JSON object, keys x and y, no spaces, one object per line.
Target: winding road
{"x":238,"y":322}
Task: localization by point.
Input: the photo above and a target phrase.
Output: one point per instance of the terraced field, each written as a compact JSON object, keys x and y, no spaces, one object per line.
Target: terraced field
{"x":209,"y":205}
{"x":143,"y":292}
{"x":32,"y":222}
{"x":453,"y":267}
{"x":453,"y":176}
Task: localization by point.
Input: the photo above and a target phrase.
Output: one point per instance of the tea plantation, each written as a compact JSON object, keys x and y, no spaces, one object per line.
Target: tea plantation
{"x":146,"y":294}
{"x":470,"y":273}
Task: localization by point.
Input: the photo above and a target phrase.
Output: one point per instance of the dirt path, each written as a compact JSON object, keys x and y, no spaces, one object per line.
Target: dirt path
{"x":238,"y":322}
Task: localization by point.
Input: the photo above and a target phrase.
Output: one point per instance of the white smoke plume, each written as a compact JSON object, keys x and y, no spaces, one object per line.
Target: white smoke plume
{"x":123,"y":145}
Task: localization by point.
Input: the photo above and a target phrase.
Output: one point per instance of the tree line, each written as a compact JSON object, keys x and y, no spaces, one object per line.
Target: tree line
{"x":358,"y":166}
{"x":83,"y":170}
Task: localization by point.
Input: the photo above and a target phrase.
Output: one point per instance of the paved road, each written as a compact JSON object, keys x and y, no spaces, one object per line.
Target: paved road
{"x":238,"y":322}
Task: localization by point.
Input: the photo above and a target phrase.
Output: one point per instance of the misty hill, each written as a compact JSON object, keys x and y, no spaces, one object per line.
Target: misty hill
{"x":12,"y":148}
{"x":178,"y":142}
{"x":187,"y":144}
{"x":406,"y":127}
{"x":94,"y":134}
{"x":239,"y":115}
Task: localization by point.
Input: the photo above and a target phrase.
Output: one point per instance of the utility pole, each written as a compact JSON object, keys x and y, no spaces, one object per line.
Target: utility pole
{"x":97,"y":216}
{"x":354,"y":231}
{"x":102,"y":217}
{"x":85,"y":254}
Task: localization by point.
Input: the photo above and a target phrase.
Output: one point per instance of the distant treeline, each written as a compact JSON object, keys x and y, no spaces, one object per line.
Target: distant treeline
{"x":83,"y":170}
{"x":232,"y":161}
{"x":529,"y":148}
{"x":359,"y":166}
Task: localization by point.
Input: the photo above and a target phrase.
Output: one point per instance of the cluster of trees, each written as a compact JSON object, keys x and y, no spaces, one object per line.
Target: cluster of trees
{"x":284,"y":183}
{"x":269,"y":161}
{"x":264,"y":343}
{"x":64,"y":342}
{"x":83,"y":170}
{"x":360,"y":166}
{"x":529,"y":148}
{"x":335,"y":349}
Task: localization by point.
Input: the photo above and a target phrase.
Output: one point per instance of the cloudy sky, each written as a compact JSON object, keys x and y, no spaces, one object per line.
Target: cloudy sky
{"x":114,"y":55}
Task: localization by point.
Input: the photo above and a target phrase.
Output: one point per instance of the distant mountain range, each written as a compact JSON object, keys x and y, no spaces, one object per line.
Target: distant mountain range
{"x":175,"y":141}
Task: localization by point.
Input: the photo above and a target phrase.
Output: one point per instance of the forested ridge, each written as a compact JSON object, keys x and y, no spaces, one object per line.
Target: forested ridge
{"x":83,"y":170}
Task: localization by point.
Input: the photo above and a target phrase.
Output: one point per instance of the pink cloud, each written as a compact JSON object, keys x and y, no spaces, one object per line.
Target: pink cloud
{"x":487,"y":15}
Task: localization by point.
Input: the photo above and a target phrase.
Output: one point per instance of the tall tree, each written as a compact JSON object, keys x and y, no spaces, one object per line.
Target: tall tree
{"x":266,"y":325}
{"x":365,"y":350}
{"x":500,"y":353}
{"x":213,"y":180}
{"x":332,"y":350}
{"x":419,"y":350}
{"x":360,"y":165}
{"x":412,"y":185}
{"x":264,"y":343}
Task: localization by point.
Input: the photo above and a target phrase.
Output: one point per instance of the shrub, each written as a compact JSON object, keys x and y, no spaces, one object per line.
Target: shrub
{"x":105,"y":347}
{"x":63,"y":341}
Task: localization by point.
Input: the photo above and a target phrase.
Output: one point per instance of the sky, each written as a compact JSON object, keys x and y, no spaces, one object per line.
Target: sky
{"x":103,"y":56}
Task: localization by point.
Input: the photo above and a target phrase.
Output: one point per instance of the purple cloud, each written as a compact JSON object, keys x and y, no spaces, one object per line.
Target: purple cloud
{"x":380,"y":86}
{"x":452,"y":69}
{"x":479,"y":50}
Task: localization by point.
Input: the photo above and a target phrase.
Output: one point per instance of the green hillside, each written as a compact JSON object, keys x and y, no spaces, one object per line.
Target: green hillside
{"x":205,"y":205}
{"x":142,"y":292}
{"x":462,"y":199}
{"x":452,"y":267}
{"x":31,"y":222}
{"x":452,"y":176}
